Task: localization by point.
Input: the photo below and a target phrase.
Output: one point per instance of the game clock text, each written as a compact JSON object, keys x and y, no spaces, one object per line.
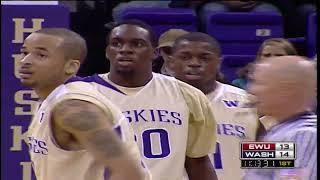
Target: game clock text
{"x":267,"y":163}
{"x":267,"y":154}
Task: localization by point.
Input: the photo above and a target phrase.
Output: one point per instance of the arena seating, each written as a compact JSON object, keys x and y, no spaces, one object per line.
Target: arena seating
{"x":242,"y":33}
{"x":239,"y":33}
{"x":231,"y":63}
{"x":162,"y":19}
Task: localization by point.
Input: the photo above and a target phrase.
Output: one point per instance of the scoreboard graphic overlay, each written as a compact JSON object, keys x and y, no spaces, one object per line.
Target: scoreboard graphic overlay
{"x":267,"y":154}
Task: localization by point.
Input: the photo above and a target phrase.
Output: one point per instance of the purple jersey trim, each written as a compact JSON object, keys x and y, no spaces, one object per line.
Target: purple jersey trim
{"x":94,"y":78}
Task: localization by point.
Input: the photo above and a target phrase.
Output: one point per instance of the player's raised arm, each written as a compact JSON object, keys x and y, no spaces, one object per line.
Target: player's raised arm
{"x":91,"y":128}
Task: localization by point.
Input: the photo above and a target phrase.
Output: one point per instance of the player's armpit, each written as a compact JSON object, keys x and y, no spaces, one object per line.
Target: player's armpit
{"x":89,"y":124}
{"x":200,"y":168}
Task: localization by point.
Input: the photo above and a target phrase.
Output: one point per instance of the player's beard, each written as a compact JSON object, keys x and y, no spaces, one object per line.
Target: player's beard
{"x":28,"y":84}
{"x":195,"y":83}
{"x":128,"y":71}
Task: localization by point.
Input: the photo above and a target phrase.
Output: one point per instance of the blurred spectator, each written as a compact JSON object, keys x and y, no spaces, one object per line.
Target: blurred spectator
{"x":269,"y":48}
{"x":220,"y":78}
{"x":284,"y":87}
{"x":242,"y":80}
{"x":275,"y":47}
{"x":165,"y":44}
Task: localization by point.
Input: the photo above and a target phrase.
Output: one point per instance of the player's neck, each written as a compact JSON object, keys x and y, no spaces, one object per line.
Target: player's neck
{"x":130,"y":79}
{"x":43,"y":93}
{"x":209,"y":87}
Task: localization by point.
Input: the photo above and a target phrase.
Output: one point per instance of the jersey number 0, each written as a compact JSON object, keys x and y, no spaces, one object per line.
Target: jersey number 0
{"x":163,"y":141}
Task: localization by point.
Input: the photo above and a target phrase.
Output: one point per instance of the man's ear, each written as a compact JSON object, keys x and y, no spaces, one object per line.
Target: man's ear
{"x":72,"y":66}
{"x":155,"y":54}
{"x":170,"y":63}
{"x":170,"y":58}
{"x":220,"y":59}
{"x":107,"y":52}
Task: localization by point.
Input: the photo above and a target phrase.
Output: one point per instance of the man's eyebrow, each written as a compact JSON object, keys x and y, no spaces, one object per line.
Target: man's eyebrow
{"x":207,"y":53}
{"x":183,"y":51}
{"x":37,"y":48}
{"x":133,"y":39}
{"x":138,"y":39}
{"x":115,"y":38}
{"x":42,"y":49}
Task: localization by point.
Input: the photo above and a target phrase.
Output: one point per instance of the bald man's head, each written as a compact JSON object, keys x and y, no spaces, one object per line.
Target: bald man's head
{"x":283,"y":84}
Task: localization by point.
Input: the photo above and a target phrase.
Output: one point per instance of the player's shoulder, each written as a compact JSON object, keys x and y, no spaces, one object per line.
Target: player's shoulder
{"x":173,"y":81}
{"x":233,"y":90}
{"x":186,"y":89}
{"x":177,"y":82}
{"x":157,"y":77}
{"x":81,"y":81}
{"x":84,"y":88}
{"x":79,"y":84}
{"x":190,"y":90}
{"x":91,"y":82}
{"x":83,"y":85}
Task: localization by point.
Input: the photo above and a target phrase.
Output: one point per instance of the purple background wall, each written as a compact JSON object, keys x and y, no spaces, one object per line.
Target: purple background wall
{"x":17,"y":102}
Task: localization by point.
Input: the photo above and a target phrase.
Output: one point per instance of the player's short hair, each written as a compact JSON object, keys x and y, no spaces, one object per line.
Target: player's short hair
{"x":285,"y":44}
{"x":138,"y":23}
{"x":198,"y":37}
{"x":73,"y":45}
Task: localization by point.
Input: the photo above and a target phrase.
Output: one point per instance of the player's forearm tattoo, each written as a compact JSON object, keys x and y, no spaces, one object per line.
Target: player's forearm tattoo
{"x":79,"y":115}
{"x":106,"y":142}
{"x":87,"y":118}
{"x":82,"y":120}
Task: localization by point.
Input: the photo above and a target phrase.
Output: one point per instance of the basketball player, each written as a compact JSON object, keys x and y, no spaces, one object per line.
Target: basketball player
{"x":284,"y":88}
{"x":75,"y":133}
{"x":196,"y":59}
{"x":173,"y":122}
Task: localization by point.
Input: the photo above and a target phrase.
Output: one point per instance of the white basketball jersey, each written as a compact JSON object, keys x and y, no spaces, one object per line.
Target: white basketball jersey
{"x":234,"y":124}
{"x":170,"y":119}
{"x":51,"y":162}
